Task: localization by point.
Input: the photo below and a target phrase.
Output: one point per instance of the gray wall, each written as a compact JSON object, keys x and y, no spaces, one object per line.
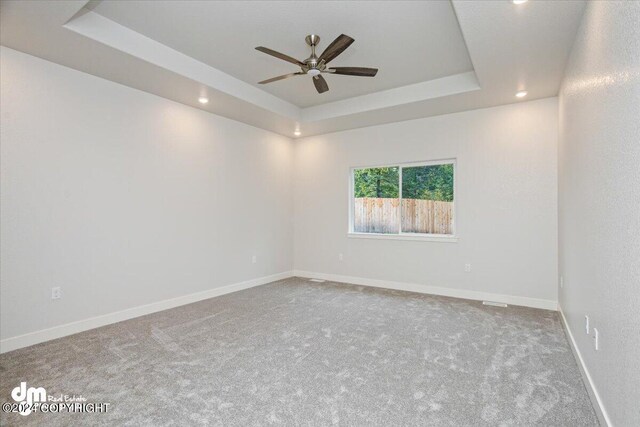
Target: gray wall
{"x":599,"y":187}
{"x":506,"y":202}
{"x":123,"y":198}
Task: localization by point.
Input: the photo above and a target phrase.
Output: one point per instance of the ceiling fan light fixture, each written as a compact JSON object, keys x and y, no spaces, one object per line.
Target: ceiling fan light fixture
{"x":314,"y":65}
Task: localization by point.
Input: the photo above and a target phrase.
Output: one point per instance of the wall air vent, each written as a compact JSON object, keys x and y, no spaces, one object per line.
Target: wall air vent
{"x":494,"y":304}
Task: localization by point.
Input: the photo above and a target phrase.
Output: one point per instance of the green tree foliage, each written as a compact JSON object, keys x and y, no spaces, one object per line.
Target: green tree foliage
{"x":420,"y":182}
{"x":428,"y":182}
{"x":377,"y":182}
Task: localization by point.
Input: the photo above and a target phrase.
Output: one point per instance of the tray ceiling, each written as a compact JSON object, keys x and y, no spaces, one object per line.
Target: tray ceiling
{"x":408,"y":41}
{"x":435,"y":57}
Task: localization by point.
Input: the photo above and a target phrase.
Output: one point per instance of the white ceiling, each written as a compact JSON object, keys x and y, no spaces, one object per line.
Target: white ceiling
{"x":183,"y":49}
{"x":408,"y":41}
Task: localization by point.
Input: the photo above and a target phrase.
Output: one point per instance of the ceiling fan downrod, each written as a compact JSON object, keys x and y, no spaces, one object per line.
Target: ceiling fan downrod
{"x":313,"y":66}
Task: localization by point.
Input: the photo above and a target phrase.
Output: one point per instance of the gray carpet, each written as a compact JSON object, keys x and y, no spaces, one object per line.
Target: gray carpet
{"x":295,"y":352}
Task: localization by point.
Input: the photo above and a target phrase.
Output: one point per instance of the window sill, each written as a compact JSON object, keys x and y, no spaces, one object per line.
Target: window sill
{"x":416,"y":237}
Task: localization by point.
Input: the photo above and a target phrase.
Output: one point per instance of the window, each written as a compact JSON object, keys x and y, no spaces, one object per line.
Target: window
{"x":413,"y":201}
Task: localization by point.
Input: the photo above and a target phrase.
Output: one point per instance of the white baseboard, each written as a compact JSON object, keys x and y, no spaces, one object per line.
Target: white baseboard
{"x":37,"y":337}
{"x":433,"y":290}
{"x":601,"y":412}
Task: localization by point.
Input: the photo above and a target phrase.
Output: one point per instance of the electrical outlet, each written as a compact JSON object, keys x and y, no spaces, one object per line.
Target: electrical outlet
{"x":586,"y":325}
{"x":254,"y":259}
{"x":596,"y":339}
{"x":56,"y":293}
{"x":340,"y":257}
{"x":467,"y":268}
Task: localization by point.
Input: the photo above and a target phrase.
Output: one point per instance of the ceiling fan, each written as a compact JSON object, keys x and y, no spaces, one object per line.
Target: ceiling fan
{"x":315,"y":65}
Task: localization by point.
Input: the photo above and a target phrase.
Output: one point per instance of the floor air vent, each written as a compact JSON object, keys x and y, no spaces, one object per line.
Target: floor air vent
{"x":494,"y":304}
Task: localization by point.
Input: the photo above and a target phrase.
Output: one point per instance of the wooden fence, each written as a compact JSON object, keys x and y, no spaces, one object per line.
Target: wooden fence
{"x":379,"y":215}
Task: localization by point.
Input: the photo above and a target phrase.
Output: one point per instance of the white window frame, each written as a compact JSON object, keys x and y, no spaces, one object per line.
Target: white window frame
{"x":402,"y":235}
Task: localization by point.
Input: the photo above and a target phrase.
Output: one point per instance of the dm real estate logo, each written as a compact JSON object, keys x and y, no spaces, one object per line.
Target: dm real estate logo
{"x":28,"y":397}
{"x":35,"y":399}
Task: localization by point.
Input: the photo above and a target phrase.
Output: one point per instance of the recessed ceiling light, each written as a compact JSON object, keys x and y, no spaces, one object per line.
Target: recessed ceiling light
{"x":203,"y":100}
{"x":519,"y":1}
{"x":297,"y":133}
{"x":521,"y":94}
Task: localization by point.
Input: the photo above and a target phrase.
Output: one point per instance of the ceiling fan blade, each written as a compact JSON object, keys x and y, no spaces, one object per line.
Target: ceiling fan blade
{"x":336,"y":48}
{"x":279,"y":55}
{"x":354,"y":71}
{"x":320,"y":83}
{"x":275,"y":79}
